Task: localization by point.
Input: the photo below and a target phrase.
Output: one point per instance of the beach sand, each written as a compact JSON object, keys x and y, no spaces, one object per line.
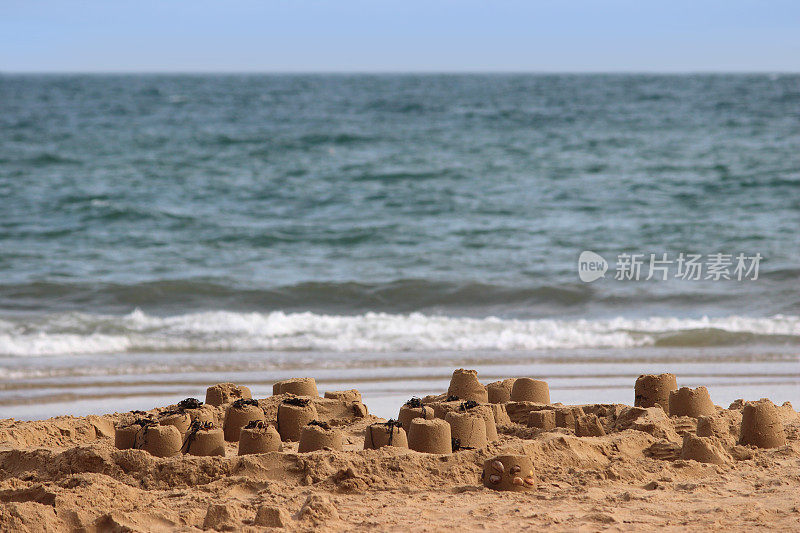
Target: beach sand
{"x":65,"y":473}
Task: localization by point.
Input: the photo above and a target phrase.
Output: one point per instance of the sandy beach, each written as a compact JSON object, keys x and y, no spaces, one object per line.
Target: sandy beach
{"x":594,"y":467}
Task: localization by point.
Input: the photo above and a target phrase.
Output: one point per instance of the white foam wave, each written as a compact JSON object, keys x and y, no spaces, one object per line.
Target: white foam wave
{"x":79,"y":333}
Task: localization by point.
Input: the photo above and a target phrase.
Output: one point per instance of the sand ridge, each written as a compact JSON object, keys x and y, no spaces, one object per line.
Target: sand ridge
{"x":647,"y":469}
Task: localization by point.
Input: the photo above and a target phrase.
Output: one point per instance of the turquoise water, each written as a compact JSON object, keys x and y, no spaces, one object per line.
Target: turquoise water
{"x":251,"y":216}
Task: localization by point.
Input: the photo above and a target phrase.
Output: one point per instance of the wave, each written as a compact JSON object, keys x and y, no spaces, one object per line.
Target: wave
{"x":404,"y":295}
{"x":227,"y":331}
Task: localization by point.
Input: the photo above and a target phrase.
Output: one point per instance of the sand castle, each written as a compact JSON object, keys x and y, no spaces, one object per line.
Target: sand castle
{"x":179,"y":419}
{"x":625,"y":448}
{"x":412,"y":409}
{"x":160,"y":441}
{"x":223,"y":393}
{"x":464,"y":385}
{"x":544,"y":419}
{"x":509,"y":472}
{"x":390,"y":433}
{"x":296,"y":386}
{"x":430,"y":436}
{"x":566,"y":416}
{"x":653,"y":389}
{"x":761,"y":425}
{"x":259,"y":437}
{"x":467,"y":430}
{"x":318,"y":435}
{"x":238,"y":415}
{"x":293,"y":415}
{"x":690,"y":402}
{"x":500,"y":391}
{"x":125,"y":434}
{"x":530,"y":390}
{"x":204,"y":439}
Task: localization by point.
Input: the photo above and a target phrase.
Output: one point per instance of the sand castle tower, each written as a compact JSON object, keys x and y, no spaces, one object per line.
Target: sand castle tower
{"x":654,"y":389}
{"x":430,"y":436}
{"x":177,"y":418}
{"x":318,"y":435}
{"x":297,"y":386}
{"x":204,"y":439}
{"x":465,"y":386}
{"x":412,"y":409}
{"x":223,"y":393}
{"x":125,"y":435}
{"x":382,"y":434}
{"x":544,"y":419}
{"x":500,"y":391}
{"x":467,"y":430}
{"x":691,"y":402}
{"x":293,"y":415}
{"x":160,"y":441}
{"x":259,"y":437}
{"x":530,"y":390}
{"x":238,"y":415}
{"x":762,"y":425}
{"x":509,"y":472}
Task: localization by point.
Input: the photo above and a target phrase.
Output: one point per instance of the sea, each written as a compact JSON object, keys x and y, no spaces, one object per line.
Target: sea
{"x":162,"y":233}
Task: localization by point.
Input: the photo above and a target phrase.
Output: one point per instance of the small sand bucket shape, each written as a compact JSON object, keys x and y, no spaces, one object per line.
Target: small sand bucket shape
{"x":296,"y":386}
{"x":761,"y":425}
{"x":160,"y":441}
{"x":467,"y":430}
{"x":176,"y":417}
{"x":530,"y":390}
{"x":125,"y":436}
{"x":691,"y":402}
{"x":412,"y":409}
{"x":430,"y":436}
{"x":382,"y":434}
{"x":238,"y":415}
{"x":466,"y":386}
{"x":293,"y":415}
{"x":484,"y":411}
{"x":259,"y":437}
{"x":223,"y":393}
{"x":509,"y":472}
{"x":651,"y":389}
{"x":204,"y":439}
{"x":318,"y":435}
{"x":500,"y":391}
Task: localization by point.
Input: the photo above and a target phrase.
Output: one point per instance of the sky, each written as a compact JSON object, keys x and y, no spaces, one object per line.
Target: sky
{"x":399,"y":36}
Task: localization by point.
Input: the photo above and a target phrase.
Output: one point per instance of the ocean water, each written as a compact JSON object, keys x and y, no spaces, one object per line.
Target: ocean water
{"x":162,"y":233}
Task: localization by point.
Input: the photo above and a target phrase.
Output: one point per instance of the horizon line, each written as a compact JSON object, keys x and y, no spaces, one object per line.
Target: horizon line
{"x":393,"y":72}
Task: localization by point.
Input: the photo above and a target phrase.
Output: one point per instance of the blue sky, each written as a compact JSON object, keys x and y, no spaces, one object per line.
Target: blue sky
{"x":405,"y":35}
